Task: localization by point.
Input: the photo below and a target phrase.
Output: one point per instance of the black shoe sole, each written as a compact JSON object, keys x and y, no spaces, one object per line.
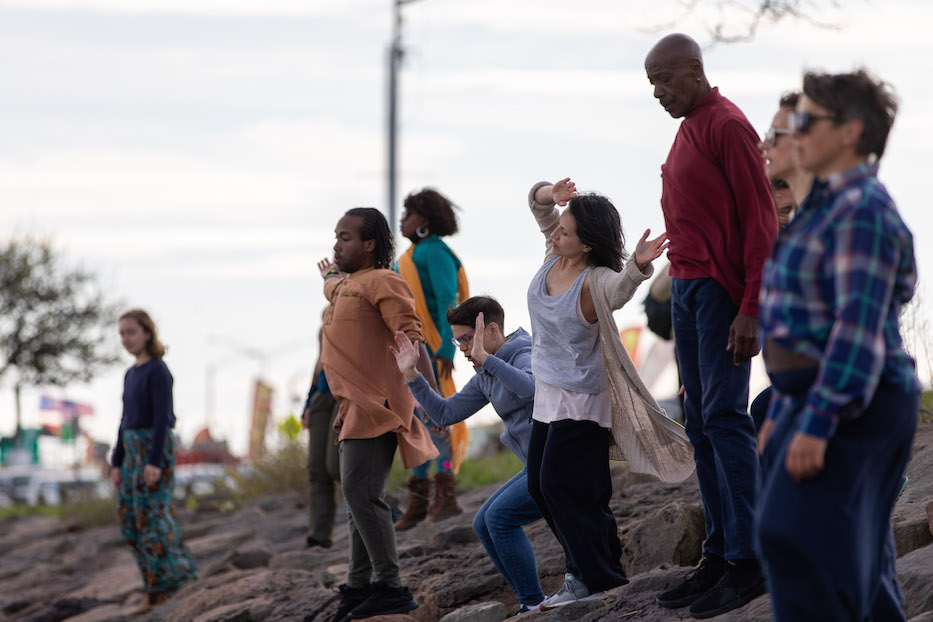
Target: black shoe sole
{"x":735,"y":604}
{"x":404,"y":608}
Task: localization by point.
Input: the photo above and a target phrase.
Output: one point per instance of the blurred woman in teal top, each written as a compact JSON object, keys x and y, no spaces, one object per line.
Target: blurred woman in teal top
{"x":437,"y":280}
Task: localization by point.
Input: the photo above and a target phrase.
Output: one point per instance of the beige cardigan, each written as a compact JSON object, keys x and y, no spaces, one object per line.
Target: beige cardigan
{"x":642,"y":433}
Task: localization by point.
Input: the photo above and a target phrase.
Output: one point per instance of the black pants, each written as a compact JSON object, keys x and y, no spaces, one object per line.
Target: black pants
{"x":568,"y":477}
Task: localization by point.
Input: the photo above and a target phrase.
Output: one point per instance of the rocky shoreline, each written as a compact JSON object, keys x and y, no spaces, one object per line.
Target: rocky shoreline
{"x":254,"y":566}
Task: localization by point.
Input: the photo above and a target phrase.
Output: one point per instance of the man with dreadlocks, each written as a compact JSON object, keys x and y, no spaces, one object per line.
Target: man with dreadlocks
{"x":368,"y":304}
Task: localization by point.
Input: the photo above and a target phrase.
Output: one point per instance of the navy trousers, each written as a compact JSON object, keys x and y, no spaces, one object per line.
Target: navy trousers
{"x":826,"y":543}
{"x":569,"y":480}
{"x":720,"y":429}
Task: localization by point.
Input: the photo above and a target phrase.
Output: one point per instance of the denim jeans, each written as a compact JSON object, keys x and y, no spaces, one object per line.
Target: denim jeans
{"x":720,"y":429}
{"x":498,"y":524}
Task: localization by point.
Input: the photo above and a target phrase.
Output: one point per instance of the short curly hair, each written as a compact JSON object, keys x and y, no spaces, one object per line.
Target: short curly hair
{"x":438,"y":209}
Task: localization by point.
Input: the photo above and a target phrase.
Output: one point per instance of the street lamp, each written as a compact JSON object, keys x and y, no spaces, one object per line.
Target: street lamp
{"x":396,"y":54}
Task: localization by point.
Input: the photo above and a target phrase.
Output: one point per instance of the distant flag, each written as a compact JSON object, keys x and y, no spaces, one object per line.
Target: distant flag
{"x":66,"y":424}
{"x":67,"y":408}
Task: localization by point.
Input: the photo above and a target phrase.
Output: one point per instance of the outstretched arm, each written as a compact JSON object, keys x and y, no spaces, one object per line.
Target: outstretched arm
{"x":619,"y":287}
{"x":442,"y":411}
{"x":412,"y":359}
{"x":543,"y":199}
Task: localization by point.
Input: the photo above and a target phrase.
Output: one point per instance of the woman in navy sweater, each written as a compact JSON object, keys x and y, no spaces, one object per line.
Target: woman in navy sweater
{"x":143,"y":464}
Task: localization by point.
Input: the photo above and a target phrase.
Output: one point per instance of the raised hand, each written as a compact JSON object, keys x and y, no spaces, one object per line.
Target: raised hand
{"x":563,"y":191}
{"x":326,"y":266}
{"x":478,"y":354}
{"x":647,"y":250}
{"x":406,"y":356}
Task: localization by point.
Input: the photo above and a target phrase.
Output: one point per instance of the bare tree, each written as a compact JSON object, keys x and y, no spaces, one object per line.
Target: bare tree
{"x":917,"y":334}
{"x":54,"y":320}
{"x":739,"y":20}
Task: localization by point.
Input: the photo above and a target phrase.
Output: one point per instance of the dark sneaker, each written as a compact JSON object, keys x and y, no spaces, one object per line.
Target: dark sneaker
{"x":312,"y":542}
{"x":738,"y":586}
{"x":384,"y":601}
{"x":350,"y":597}
{"x":697,"y":582}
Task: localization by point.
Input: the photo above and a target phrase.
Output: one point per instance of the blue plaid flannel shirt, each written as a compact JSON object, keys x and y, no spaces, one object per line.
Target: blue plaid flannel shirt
{"x":832,"y":291}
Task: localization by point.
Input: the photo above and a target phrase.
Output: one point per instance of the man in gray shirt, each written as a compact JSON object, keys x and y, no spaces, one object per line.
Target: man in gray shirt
{"x":503,"y":378}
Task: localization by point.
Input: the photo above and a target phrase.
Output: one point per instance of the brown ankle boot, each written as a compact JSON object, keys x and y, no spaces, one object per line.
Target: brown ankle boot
{"x":444,"y":503}
{"x":418,"y":490}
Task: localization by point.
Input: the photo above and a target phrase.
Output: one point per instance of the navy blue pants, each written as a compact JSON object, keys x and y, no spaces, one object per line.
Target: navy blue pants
{"x":569,"y":480}
{"x":826,"y":543}
{"x":720,"y":429}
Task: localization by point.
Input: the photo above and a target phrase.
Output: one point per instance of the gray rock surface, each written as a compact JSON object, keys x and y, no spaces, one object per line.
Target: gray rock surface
{"x":482,"y":612}
{"x":911,"y":521}
{"x":915,"y":574}
{"x":253,"y":563}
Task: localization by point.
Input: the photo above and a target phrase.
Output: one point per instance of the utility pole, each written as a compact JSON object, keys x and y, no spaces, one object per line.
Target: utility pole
{"x":396,"y":54}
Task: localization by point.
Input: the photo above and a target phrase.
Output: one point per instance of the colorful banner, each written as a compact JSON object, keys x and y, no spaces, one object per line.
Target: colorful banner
{"x":262,"y":414}
{"x":67,"y":408}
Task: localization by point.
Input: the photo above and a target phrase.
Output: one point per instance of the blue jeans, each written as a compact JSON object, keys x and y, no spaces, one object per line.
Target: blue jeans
{"x":720,"y":429}
{"x":826,"y":542}
{"x":498,"y":524}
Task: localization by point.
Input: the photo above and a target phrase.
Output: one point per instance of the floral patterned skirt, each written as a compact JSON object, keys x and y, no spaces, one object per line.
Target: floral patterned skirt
{"x":146,"y":516}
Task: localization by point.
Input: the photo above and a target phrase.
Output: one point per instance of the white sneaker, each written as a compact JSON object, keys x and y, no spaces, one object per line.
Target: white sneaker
{"x":572,"y":591}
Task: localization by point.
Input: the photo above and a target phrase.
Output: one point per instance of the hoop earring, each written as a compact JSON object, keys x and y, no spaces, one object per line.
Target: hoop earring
{"x":423,"y":232}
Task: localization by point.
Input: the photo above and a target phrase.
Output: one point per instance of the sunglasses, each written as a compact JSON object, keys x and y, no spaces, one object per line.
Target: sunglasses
{"x":800,"y":122}
{"x":463,"y":339}
{"x":771,"y":136}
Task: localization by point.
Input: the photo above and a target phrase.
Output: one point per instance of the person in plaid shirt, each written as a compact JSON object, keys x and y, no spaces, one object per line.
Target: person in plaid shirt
{"x":840,"y":426}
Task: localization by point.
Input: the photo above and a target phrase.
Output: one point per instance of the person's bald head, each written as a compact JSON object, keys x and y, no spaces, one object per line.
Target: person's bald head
{"x":675,"y":69}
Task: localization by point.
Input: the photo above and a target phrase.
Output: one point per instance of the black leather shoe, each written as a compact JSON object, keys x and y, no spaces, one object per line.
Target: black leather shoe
{"x":385,"y":600}
{"x":697,"y":582}
{"x":350,"y":597}
{"x":738,"y":586}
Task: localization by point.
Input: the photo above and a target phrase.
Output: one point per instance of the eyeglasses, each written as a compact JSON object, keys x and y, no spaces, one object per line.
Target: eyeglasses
{"x":463,"y":339}
{"x":800,"y":122}
{"x":771,"y":136}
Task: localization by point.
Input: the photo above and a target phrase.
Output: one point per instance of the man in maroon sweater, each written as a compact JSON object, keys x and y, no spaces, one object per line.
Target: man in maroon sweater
{"x":720,"y":219}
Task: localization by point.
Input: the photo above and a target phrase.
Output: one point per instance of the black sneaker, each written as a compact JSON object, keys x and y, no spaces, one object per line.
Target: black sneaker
{"x":697,"y":582}
{"x":741,"y":583}
{"x":350,"y":597}
{"x":385,"y":600}
{"x":312,"y":542}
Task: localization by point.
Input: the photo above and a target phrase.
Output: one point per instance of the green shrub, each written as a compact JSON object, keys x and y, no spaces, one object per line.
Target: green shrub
{"x":284,"y":470}
{"x":86,"y":511}
{"x":474,"y":472}
{"x":926,"y":407}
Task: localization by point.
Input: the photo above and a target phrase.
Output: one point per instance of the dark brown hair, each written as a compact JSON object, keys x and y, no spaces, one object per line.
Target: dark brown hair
{"x":599,"y":227}
{"x":438,"y":209}
{"x":154,"y":347}
{"x":375,"y":227}
{"x":857,"y":95}
{"x":466,"y":312}
{"x":789,"y":100}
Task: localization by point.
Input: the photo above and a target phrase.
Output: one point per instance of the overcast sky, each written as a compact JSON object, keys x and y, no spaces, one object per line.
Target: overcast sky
{"x":197,"y":154}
